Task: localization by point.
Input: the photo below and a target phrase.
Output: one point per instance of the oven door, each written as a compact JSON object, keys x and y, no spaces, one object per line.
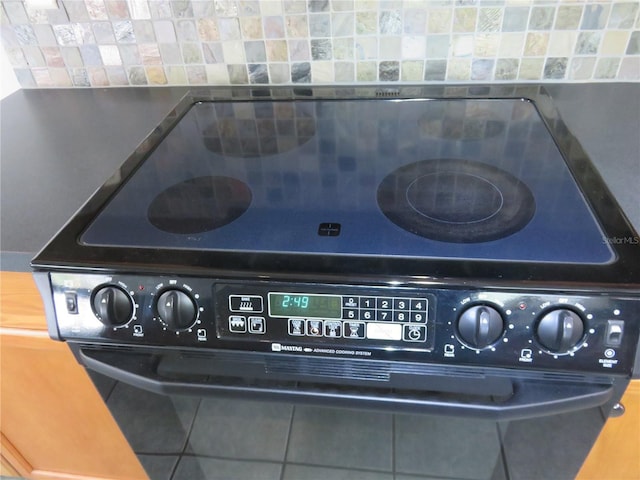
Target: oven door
{"x":187,"y":420}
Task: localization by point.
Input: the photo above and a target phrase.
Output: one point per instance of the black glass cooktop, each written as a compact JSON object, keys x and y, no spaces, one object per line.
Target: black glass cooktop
{"x":445,"y":178}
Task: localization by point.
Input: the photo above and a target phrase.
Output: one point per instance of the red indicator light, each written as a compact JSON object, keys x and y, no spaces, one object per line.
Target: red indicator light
{"x":522,"y":306}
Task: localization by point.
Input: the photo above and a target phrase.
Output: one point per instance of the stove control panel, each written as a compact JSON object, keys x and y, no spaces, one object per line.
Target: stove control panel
{"x":445,"y":325}
{"x":340,"y":316}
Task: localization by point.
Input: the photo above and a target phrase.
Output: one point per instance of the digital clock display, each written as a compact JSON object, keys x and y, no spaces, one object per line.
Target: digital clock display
{"x":305,"y":305}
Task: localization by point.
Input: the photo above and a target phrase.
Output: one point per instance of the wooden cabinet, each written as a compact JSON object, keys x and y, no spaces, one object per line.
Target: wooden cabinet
{"x":54,"y":423}
{"x":56,"y":426}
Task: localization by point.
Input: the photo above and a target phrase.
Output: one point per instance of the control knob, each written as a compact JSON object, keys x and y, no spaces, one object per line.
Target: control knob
{"x":560,"y":330}
{"x":480,"y":326}
{"x":176,"y":309}
{"x":112,"y":305}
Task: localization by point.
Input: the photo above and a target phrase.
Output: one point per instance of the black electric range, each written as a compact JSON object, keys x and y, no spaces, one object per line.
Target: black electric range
{"x":420,"y":250}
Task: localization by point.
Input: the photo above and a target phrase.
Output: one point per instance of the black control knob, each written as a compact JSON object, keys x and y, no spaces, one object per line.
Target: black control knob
{"x":560,"y":330}
{"x":176,"y":309}
{"x":112,"y":305}
{"x":480,"y":326}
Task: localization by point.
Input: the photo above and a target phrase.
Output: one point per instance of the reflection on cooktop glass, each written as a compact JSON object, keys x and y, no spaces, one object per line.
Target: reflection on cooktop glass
{"x":470,"y":179}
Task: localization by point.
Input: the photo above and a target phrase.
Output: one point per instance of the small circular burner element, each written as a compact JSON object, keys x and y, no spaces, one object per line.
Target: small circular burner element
{"x":454,"y":200}
{"x":199,"y":204}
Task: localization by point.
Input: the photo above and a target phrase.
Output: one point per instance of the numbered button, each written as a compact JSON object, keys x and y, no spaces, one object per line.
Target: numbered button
{"x":350,"y":302}
{"x":401,"y":304}
{"x":350,"y":313}
{"x":384,"y":315}
{"x":418,"y":317}
{"x":401,"y":316}
{"x":419,"y":305}
{"x":368,"y":315}
{"x":384,"y":303}
{"x":367,"y":303}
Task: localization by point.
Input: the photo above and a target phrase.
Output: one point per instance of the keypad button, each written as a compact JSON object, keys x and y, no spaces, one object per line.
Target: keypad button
{"x":384,"y":315}
{"x":367,"y":315}
{"x":237,"y":324}
{"x":401,"y":316}
{"x":245,"y":303}
{"x":414,"y":333}
{"x":418,"y":317}
{"x":332,"y":328}
{"x":367,"y":303}
{"x":401,"y":304}
{"x":384,"y":303}
{"x":257,"y":325}
{"x":314,"y":328}
{"x":296,"y":326}
{"x":418,"y":305}
{"x":350,"y":313}
{"x":353,"y":330}
{"x":350,"y":302}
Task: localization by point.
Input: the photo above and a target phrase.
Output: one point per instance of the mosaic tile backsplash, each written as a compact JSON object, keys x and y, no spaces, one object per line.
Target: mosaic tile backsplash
{"x":160,"y":42}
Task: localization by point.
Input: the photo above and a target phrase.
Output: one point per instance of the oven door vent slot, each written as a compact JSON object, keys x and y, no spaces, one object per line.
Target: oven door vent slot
{"x":328,"y":368}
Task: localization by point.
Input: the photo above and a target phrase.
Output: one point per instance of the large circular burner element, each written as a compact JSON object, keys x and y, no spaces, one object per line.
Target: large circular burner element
{"x":199,"y":204}
{"x":454,"y":200}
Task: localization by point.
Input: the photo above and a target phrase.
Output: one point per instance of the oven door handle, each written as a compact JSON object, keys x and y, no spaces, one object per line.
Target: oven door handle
{"x":530,"y":398}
